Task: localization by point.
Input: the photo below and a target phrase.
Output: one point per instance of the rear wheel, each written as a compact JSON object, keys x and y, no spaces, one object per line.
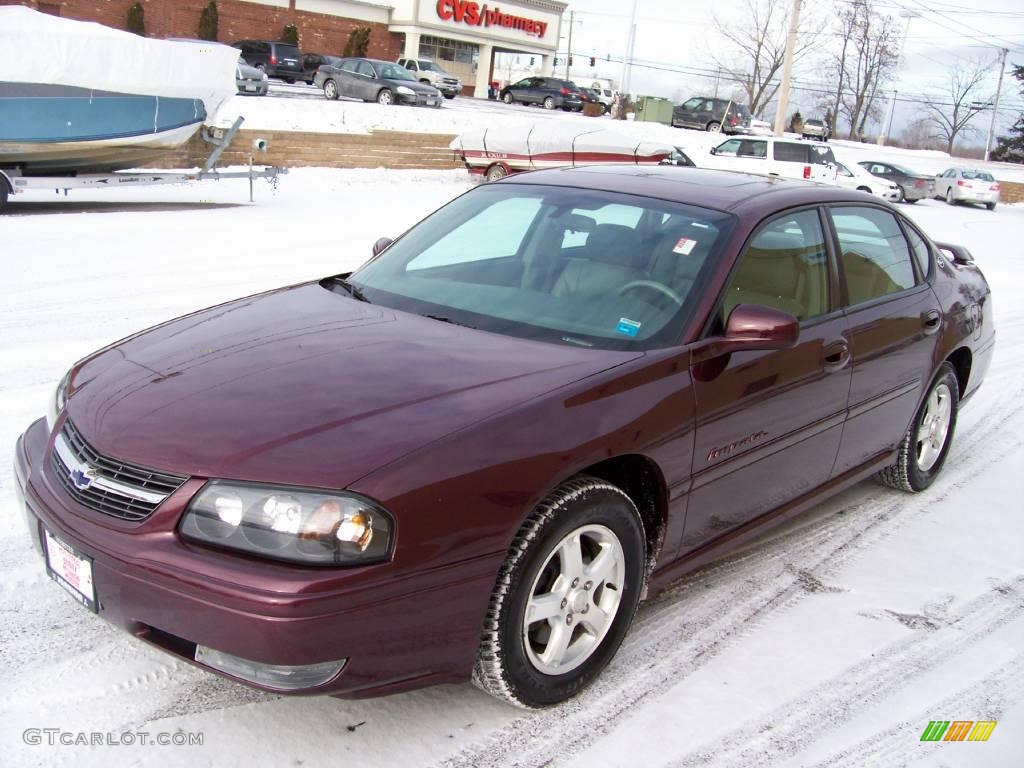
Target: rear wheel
{"x":990,"y":206}
{"x":549,"y":103}
{"x":926,"y":444}
{"x":290,"y":80}
{"x":385,"y":97}
{"x":713,"y":127}
{"x":331,"y":90}
{"x":949,"y":196}
{"x":564,"y":597}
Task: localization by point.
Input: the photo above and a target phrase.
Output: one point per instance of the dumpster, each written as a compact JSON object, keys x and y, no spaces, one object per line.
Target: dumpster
{"x":653,"y":109}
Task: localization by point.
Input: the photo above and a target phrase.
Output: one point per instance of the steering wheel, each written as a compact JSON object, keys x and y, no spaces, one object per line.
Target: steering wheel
{"x":652,"y":285}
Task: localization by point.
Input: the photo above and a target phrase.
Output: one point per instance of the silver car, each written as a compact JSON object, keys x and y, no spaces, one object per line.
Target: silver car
{"x":967,"y":185}
{"x":815,"y":129}
{"x":250,"y":80}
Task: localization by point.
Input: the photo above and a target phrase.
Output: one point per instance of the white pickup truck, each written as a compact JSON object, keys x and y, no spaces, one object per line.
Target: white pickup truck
{"x":427,"y":71}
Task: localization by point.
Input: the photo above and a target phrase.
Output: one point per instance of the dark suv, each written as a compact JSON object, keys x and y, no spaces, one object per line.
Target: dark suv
{"x":280,"y":60}
{"x":547,"y":91}
{"x":709,"y":114}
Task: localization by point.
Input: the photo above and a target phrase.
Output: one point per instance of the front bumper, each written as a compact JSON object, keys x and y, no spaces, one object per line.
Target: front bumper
{"x":398,"y":631}
{"x":418,"y":99}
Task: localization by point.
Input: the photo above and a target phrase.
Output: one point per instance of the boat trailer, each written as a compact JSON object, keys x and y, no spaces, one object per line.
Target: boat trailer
{"x":12,"y":181}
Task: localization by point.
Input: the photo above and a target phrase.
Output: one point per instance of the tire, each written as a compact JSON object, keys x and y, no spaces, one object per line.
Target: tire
{"x":385,"y":97}
{"x":949,"y":196}
{"x":919,"y":461}
{"x":713,"y":127}
{"x":549,"y":103}
{"x":331,"y":90}
{"x":449,"y":97}
{"x":990,"y":206}
{"x":912,"y":202}
{"x":3,"y":194}
{"x":507,"y":98}
{"x":496,"y":171}
{"x":290,"y":80}
{"x":603,"y":522}
{"x":903,"y":195}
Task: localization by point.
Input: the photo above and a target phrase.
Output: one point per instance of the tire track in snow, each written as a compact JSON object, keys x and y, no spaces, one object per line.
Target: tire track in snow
{"x":673,"y":637}
{"x":984,"y":700}
{"x":786,"y":730}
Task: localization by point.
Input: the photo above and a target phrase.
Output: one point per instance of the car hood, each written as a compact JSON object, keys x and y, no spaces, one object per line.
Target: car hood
{"x":304,"y":385}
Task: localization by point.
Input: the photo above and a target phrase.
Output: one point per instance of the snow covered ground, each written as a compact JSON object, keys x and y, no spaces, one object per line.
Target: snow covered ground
{"x":831,"y":642}
{"x":308,"y":110}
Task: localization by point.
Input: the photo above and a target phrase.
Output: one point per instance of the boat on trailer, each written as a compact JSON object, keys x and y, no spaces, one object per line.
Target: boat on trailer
{"x":78,"y":97}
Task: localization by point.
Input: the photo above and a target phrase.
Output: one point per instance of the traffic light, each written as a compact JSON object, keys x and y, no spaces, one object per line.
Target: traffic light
{"x":556,"y":61}
{"x":570,"y":61}
{"x":531,"y":61}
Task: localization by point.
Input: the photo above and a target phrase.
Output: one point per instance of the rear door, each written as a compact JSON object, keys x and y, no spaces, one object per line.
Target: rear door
{"x":893,"y":318}
{"x":769,"y":423}
{"x":366,"y":81}
{"x":347,"y":80}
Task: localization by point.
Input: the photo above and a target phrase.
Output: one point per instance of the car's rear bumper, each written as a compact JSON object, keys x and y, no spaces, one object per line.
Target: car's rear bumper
{"x":398,"y":632}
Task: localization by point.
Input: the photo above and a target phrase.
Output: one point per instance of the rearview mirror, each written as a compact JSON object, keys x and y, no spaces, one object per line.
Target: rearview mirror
{"x":381,"y":244}
{"x":752,"y":327}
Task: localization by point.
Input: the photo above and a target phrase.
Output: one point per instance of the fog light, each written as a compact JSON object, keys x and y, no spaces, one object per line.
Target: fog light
{"x":277,"y":676}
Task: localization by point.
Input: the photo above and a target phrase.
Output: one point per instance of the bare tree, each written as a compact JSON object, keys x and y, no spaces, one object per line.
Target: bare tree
{"x":871,"y":56}
{"x":756,"y":47}
{"x":952,"y":118}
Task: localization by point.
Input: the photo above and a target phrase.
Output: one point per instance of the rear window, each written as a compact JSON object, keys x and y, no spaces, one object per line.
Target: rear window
{"x":978,"y":176}
{"x":287,"y":50}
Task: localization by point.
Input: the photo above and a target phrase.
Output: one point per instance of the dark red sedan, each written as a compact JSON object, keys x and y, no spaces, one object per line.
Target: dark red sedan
{"x":473,"y":456}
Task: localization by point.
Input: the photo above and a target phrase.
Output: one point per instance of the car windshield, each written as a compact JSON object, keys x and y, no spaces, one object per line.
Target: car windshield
{"x":393,"y":72}
{"x":815,"y":123}
{"x":977,"y":175}
{"x":430,"y":66}
{"x":565,"y":265}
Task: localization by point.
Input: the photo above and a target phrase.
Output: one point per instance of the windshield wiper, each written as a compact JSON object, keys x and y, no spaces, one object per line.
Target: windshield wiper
{"x":449,"y":320}
{"x":354,"y":292}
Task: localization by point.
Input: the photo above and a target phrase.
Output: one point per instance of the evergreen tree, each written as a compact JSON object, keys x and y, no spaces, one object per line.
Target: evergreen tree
{"x":358,"y":42}
{"x":290,"y":34}
{"x":136,"y":21}
{"x":1011,"y":148}
{"x":208,"y":22}
{"x":796,"y":122}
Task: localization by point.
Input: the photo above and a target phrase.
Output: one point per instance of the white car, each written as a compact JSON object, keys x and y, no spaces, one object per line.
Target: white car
{"x":852,"y":176}
{"x":967,"y":185}
{"x":774,"y":157}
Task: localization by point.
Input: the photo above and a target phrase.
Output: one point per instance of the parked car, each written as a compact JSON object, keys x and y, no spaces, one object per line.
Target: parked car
{"x":590,"y":96}
{"x":967,"y":185}
{"x":428,"y":72}
{"x":620,"y":374}
{"x":311,"y":63}
{"x":372,"y":80}
{"x":760,"y":128}
{"x":709,"y":114}
{"x":913,"y":186}
{"x":549,"y":92}
{"x":250,"y":81}
{"x":816,"y":129}
{"x":774,"y":157}
{"x":605,"y":90}
{"x":852,"y":176}
{"x":279,"y":60}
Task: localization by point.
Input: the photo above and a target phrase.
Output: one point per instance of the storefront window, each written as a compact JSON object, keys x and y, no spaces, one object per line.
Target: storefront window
{"x":456,"y":57}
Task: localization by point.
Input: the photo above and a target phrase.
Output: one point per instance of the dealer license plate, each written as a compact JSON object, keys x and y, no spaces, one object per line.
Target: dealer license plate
{"x":71,"y":569}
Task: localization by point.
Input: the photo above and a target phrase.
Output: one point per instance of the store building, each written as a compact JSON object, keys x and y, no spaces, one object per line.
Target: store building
{"x":461,"y":36}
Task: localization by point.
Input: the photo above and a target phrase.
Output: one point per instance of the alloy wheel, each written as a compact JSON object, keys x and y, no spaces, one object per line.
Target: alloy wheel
{"x":934,"y":428}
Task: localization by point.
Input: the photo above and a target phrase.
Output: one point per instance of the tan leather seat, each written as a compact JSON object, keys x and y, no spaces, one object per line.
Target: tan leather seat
{"x":776,"y":272}
{"x":613,"y":255}
{"x":866,"y":280}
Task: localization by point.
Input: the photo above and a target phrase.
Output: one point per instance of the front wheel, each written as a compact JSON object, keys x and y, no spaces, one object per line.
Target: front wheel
{"x":564,"y":597}
{"x":926,"y":444}
{"x":386,"y":98}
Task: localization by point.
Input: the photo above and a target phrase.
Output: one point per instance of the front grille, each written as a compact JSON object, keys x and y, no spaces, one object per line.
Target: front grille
{"x":116,"y":488}
{"x":450,"y":81}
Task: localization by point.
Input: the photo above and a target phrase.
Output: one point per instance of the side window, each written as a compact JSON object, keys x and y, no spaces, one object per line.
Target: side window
{"x":709,"y":106}
{"x":263,"y":48}
{"x":785,"y":267}
{"x":349,"y":66}
{"x":878,"y":170}
{"x":919,"y":248}
{"x":495,"y":232}
{"x":790,"y":153}
{"x":730,"y":147}
{"x":752,"y":148}
{"x":364,"y":68}
{"x":875,"y":255}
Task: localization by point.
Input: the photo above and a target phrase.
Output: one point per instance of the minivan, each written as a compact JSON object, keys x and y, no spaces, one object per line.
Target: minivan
{"x":280,"y":60}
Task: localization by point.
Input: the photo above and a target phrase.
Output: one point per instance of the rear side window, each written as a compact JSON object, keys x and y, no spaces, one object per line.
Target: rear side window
{"x":790,"y":153}
{"x":875,"y":254}
{"x":349,"y":66}
{"x":784,"y":267}
{"x":820,"y":155}
{"x":920,"y":249}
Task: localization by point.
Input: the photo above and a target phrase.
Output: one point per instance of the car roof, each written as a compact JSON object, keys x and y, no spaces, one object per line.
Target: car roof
{"x":722,"y":190}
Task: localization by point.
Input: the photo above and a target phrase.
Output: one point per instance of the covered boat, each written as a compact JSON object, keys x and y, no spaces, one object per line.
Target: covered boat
{"x":81,"y":97}
{"x":500,"y":150}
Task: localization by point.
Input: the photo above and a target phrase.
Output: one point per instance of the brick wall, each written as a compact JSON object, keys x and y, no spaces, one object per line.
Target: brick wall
{"x":318,"y":32}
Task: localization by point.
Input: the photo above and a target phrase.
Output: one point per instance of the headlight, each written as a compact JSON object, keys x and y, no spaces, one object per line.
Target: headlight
{"x":405,"y":91}
{"x":57,"y":401}
{"x":292,"y":524}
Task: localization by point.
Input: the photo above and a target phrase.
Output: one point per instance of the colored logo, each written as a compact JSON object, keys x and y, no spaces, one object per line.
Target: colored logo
{"x":958,"y":730}
{"x":82,"y":479}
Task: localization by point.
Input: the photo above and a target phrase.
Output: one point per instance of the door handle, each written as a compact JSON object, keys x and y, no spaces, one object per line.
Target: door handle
{"x":931,"y":321}
{"x":836,"y":356}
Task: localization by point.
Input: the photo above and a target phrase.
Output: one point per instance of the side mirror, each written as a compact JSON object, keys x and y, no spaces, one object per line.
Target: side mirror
{"x":752,"y":327}
{"x":381,"y":244}
{"x":714,"y":150}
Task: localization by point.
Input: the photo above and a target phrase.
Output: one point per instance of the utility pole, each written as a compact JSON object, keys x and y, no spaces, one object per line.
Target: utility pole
{"x":787,"y":69}
{"x":572,"y":15}
{"x":909,"y":16}
{"x":630,"y":40}
{"x":995,"y":108}
{"x":887,"y":126}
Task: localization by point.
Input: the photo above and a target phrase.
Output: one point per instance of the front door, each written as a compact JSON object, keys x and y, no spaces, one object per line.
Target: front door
{"x":893,"y":319}
{"x":769,"y":423}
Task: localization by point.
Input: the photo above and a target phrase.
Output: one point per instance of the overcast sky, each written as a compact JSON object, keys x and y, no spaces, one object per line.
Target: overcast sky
{"x":681,"y":34}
